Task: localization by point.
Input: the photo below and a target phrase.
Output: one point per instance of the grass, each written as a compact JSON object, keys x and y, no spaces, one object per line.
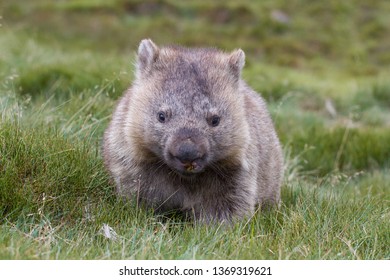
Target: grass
{"x":328,"y":94}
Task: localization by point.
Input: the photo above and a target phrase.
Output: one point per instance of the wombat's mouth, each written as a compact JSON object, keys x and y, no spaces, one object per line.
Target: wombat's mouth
{"x":187,"y":152}
{"x":187,"y":169}
{"x":186,"y":175}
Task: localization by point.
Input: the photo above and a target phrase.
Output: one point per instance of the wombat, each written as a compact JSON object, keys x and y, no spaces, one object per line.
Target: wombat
{"x":191,"y":135}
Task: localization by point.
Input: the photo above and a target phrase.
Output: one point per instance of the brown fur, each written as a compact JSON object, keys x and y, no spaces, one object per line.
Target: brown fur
{"x":190,"y":135}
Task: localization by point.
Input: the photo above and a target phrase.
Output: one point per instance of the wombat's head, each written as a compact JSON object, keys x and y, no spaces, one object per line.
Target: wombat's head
{"x":186,"y":110}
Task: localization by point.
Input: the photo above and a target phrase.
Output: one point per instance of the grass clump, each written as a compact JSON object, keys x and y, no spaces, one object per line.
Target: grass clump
{"x":344,"y":149}
{"x":46,"y":171}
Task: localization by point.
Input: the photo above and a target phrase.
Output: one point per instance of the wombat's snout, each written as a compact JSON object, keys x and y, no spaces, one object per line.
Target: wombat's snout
{"x":188,"y":151}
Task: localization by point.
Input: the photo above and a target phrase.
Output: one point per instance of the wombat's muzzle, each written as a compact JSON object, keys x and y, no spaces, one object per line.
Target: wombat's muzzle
{"x":187,"y":151}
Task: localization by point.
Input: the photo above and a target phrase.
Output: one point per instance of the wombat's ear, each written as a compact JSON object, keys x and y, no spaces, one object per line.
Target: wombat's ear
{"x":147,"y":54}
{"x":237,"y":61}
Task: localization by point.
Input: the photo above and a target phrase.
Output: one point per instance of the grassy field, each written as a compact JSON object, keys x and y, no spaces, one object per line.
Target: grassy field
{"x":323,"y":66}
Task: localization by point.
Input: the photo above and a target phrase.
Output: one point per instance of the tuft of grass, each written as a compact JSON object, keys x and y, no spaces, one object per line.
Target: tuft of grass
{"x":47,"y":171}
{"x":381,"y":92}
{"x":342,"y":148}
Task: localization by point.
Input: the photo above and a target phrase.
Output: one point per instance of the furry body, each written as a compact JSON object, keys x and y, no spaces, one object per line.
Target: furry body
{"x":190,"y":135}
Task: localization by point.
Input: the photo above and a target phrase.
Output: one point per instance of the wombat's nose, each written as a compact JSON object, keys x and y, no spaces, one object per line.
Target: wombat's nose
{"x":188,"y":152}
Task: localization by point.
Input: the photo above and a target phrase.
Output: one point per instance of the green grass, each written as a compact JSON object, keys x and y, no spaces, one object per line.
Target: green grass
{"x":64,"y":64}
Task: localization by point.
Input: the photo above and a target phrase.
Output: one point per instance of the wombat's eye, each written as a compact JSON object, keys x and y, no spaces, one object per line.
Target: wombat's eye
{"x":161,"y":116}
{"x":214,"y":120}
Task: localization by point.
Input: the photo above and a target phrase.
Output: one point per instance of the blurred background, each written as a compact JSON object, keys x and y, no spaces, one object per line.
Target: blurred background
{"x":352,"y":35}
